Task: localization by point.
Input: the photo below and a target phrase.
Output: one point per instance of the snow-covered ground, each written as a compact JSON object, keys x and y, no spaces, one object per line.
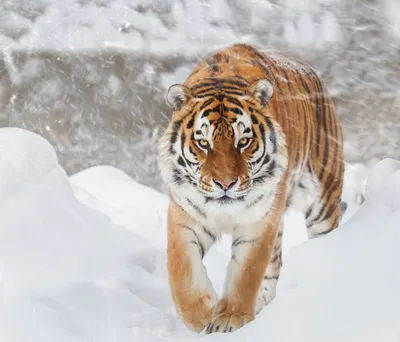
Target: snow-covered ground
{"x":83,"y":259}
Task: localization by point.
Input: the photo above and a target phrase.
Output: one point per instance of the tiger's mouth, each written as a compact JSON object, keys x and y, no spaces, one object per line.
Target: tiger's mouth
{"x":225,"y":199}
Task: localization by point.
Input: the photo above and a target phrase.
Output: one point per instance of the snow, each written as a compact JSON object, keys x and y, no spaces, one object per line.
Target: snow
{"x":392,"y":9}
{"x":83,"y":259}
{"x":156,"y":26}
{"x":67,"y":272}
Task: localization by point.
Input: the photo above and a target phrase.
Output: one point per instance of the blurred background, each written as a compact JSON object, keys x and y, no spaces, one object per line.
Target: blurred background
{"x":91,"y":75}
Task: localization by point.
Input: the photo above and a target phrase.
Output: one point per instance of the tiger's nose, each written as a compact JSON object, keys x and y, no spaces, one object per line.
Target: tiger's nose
{"x":225,"y":184}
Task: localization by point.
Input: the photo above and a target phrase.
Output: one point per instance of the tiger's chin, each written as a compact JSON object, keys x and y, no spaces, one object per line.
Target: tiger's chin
{"x":225,"y":206}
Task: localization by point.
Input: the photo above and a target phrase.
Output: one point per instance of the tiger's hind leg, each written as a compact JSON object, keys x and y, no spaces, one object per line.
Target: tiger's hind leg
{"x":268,"y":286}
{"x":325,"y":220}
{"x":324,"y":215}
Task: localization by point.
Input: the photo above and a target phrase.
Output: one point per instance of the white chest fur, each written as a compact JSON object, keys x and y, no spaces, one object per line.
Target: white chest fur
{"x":223,"y":218}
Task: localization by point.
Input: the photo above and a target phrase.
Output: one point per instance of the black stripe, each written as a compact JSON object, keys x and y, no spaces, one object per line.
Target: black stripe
{"x":325,"y":128}
{"x":323,"y":233}
{"x":203,"y":85}
{"x":239,"y":241}
{"x":183,"y":138}
{"x":271,"y":168}
{"x":255,"y":150}
{"x":302,"y":186}
{"x":198,"y":243}
{"x":207,"y":112}
{"x":272,"y":135}
{"x":206,"y":103}
{"x":266,"y":160}
{"x":334,"y":206}
{"x":194,"y":206}
{"x":305,"y":85}
{"x":328,"y":184}
{"x":200,"y":246}
{"x":234,"y":259}
{"x":259,"y":180}
{"x":181,"y":161}
{"x":208,"y":232}
{"x":237,"y":81}
{"x":322,"y":214}
{"x":226,"y":87}
{"x":274,"y":259}
{"x":334,"y":144}
{"x":229,"y":92}
{"x":261,"y":157}
{"x":262,"y":131}
{"x":212,"y":95}
{"x":257,"y":200}
{"x":174,"y":135}
{"x":190,"y":180}
{"x":177,"y":177}
{"x":233,"y":100}
{"x":205,"y":88}
{"x":308,"y":212}
{"x":190,"y":123}
{"x":237,"y":111}
{"x":254,"y":119}
{"x":304,"y":104}
{"x":318,"y":116}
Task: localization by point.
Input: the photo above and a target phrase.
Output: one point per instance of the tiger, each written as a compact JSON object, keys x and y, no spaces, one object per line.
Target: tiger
{"x":252,"y":133}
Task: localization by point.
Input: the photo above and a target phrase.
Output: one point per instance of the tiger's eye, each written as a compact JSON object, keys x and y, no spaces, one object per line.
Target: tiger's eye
{"x":203,"y":143}
{"x":243,"y":142}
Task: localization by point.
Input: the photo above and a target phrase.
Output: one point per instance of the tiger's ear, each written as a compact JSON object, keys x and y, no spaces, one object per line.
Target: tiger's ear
{"x":178,"y":95}
{"x":262,"y":90}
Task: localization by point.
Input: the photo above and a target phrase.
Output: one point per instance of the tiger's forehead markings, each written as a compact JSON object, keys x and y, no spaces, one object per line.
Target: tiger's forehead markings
{"x":222,"y":118}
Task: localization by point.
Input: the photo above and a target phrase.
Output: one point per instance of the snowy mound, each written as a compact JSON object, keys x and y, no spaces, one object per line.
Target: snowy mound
{"x":87,"y":262}
{"x":123,"y":199}
{"x":67,"y":273}
{"x":24,"y":157}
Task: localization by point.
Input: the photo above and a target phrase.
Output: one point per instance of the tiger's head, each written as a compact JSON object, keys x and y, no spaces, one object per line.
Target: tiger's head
{"x":222,"y":142}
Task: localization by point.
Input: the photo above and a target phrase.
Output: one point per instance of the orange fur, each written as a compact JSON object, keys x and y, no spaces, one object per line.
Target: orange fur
{"x":194,"y":304}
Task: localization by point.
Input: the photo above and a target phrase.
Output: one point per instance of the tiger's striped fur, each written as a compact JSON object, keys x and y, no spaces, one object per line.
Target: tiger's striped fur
{"x":251,"y":133}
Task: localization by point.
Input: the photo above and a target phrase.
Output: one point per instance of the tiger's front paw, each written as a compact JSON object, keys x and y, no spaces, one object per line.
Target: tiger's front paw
{"x":227,"y":319}
{"x":228,"y":322}
{"x":197,"y":314}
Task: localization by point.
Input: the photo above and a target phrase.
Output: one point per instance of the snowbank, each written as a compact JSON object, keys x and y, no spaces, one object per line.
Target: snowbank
{"x":67,"y":273}
{"x":84,"y":260}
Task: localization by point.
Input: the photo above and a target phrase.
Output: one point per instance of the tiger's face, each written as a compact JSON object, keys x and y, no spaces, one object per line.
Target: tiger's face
{"x":220,"y":145}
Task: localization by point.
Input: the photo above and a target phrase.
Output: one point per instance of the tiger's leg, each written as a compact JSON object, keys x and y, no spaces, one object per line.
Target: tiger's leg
{"x":191,"y":290}
{"x":252,"y":248}
{"x":268,"y":286}
{"x":324,"y":215}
